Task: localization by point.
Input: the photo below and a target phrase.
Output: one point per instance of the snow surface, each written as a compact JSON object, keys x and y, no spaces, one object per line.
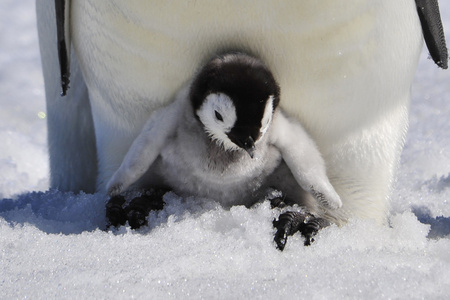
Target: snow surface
{"x":52,"y":244}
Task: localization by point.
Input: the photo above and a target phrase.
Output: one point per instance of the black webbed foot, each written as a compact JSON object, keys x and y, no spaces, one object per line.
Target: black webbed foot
{"x":290,"y":222}
{"x":311,"y":227}
{"x":137,"y":212}
{"x":115,"y":214}
{"x":278,"y":199}
{"x":277,"y":202}
{"x":118,"y":212}
{"x":140,"y":207}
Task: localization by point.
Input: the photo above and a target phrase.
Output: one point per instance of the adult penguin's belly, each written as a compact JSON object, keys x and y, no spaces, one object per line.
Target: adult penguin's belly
{"x":329,"y":57}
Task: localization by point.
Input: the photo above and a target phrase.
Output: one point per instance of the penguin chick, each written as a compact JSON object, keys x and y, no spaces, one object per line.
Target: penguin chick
{"x":224,"y":139}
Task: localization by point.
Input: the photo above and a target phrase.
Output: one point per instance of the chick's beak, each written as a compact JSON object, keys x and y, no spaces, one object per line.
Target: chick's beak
{"x":248,"y":144}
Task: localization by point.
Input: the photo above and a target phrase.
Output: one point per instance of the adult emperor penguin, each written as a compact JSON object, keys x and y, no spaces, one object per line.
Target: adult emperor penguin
{"x":345,"y":69}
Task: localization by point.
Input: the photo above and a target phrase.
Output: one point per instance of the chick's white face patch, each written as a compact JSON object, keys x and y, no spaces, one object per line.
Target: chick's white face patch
{"x":267,"y":117}
{"x":218,"y":116}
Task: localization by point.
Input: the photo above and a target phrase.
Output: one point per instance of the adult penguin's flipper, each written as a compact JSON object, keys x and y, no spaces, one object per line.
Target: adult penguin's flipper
{"x":62,"y":32}
{"x":433,"y":31}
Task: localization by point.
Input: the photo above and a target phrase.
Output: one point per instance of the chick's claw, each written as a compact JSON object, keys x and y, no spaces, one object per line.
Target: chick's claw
{"x":291,"y":222}
{"x":115,"y":214}
{"x":311,"y":227}
{"x":118,"y":211}
{"x":287,"y":224}
{"x":140,"y":207}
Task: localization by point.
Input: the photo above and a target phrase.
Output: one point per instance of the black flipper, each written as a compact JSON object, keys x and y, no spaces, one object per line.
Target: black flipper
{"x":433,"y":31}
{"x":62,"y":40}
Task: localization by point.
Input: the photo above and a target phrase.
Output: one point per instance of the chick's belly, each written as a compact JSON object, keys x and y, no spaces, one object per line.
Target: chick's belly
{"x":226,"y":194}
{"x":238,"y":184}
{"x":226,"y":189}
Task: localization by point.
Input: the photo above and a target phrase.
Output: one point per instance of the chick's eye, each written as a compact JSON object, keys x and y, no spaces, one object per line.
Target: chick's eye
{"x":218,"y":116}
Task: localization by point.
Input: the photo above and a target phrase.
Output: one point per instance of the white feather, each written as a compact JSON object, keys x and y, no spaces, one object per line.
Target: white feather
{"x":218,"y":129}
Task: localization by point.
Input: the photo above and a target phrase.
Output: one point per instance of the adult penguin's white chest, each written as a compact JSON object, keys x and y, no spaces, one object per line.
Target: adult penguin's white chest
{"x":344,"y":68}
{"x":143,"y":51}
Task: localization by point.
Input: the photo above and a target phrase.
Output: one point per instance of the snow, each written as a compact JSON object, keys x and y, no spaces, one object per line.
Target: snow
{"x":52,"y":244}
